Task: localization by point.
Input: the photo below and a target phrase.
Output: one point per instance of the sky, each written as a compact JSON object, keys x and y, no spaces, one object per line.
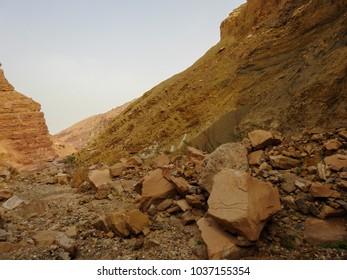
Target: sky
{"x":78,"y":58}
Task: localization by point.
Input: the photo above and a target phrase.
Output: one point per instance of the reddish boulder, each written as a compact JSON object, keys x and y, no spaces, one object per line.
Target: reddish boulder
{"x":241,"y":203}
{"x":155,"y":189}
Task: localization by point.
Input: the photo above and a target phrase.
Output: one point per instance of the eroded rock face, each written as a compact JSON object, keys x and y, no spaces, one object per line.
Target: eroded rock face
{"x":24,"y":137}
{"x":242,"y":203}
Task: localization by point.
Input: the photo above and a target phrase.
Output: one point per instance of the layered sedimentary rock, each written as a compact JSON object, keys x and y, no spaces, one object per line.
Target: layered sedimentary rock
{"x":24,"y":137}
{"x":277,"y":67}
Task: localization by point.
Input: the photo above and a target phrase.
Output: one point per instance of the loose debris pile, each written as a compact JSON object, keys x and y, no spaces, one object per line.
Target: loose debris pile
{"x":267,"y":197}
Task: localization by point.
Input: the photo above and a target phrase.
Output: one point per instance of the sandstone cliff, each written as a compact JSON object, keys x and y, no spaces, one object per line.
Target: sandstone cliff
{"x":24,"y":138}
{"x":279,"y":66}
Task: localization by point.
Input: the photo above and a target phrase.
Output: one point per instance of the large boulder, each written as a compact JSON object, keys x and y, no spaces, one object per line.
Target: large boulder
{"x":241,"y":203}
{"x":155,"y":188}
{"x":231,"y":155}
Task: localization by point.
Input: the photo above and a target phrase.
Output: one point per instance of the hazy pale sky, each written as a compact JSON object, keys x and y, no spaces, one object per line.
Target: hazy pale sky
{"x":84,"y":57}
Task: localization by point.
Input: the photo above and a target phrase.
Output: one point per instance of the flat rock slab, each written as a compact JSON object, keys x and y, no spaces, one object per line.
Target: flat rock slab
{"x":242,"y":203}
{"x":319,"y":231}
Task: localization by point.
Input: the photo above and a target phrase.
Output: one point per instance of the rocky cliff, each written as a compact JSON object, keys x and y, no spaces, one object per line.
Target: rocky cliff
{"x":24,"y":137}
{"x":277,"y":67}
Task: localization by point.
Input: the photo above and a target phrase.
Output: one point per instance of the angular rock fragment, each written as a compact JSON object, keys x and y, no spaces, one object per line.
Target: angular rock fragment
{"x":336,"y":162}
{"x":323,"y":190}
{"x":284,"y":162}
{"x":261,"y":138}
{"x":242,"y":203}
{"x":155,"y":189}
{"x":220,"y":244}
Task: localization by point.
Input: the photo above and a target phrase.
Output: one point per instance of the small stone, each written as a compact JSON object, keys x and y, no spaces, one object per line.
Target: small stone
{"x":343,"y":175}
{"x":72,"y":232}
{"x":195,"y":153}
{"x":102,"y":192}
{"x":160,"y":161}
{"x":283,"y":162}
{"x":313,"y":209}
{"x":322,"y":171}
{"x":302,"y":186}
{"x":255,"y":157}
{"x":5,"y":194}
{"x":110,"y":234}
{"x":196,"y":200}
{"x":187,"y":218}
{"x":181,"y":184}
{"x":164,"y":205}
{"x":12,"y":203}
{"x":336,"y":162}
{"x":261,"y":138}
{"x":150,"y":243}
{"x":136,"y":221}
{"x":323,"y":190}
{"x":138,"y":244}
{"x":116,"y":170}
{"x":183,"y":205}
{"x":332,"y":145}
{"x":134,"y":161}
{"x":289,"y":202}
{"x":328,"y":211}
{"x":289,"y":182}
{"x":265,"y":166}
{"x":152,"y":210}
{"x":302,"y":206}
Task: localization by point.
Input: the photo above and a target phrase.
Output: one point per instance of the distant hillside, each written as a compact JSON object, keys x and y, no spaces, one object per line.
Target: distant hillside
{"x":76,"y":136}
{"x":280,"y":65}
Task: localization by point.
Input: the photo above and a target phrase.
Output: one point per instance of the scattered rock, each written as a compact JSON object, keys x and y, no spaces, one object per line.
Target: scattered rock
{"x":255,"y":158}
{"x":160,"y":161}
{"x":181,"y":184}
{"x":183,"y":205}
{"x":336,"y":162}
{"x":187,"y":218}
{"x":125,"y":222}
{"x":12,"y":203}
{"x":195,"y":153}
{"x":116,"y":170}
{"x":261,"y":138}
{"x":5,"y":194}
{"x":196,"y":200}
{"x":323,"y":190}
{"x":242,"y":203}
{"x":332,"y":145}
{"x":284,"y":162}
{"x":164,"y":205}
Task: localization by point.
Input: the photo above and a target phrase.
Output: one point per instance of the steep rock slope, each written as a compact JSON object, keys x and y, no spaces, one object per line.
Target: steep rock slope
{"x":279,"y":62}
{"x":24,"y":138}
{"x":78,"y":134}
